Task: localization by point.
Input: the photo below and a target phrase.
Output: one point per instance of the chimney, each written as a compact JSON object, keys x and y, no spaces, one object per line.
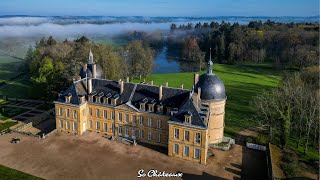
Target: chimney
{"x":160,"y":92}
{"x":89,"y":85}
{"x":151,"y":82}
{"x":94,"y":71}
{"x":167,"y":84}
{"x":196,"y":79}
{"x":198,"y":96}
{"x":181,"y":86}
{"x":127,"y":80}
{"x":121,"y":86}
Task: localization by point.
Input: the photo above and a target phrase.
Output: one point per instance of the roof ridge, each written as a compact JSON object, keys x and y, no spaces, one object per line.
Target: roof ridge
{"x":132,"y":93}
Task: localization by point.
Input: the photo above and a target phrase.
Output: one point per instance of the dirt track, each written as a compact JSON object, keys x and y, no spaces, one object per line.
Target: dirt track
{"x":89,"y":156}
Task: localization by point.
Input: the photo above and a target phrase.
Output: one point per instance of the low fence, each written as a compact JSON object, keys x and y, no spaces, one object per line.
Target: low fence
{"x":50,"y":133}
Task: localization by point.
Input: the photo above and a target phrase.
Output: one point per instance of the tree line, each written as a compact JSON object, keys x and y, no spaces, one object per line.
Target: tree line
{"x":53,"y":65}
{"x":283,"y":44}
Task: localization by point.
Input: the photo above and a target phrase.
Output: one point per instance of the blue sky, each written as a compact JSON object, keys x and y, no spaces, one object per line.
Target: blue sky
{"x":161,"y":7}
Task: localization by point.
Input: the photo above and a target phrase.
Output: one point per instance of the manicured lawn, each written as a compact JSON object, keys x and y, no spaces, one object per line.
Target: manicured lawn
{"x":20,"y":89}
{"x":6,"y":125}
{"x":242,"y":83}
{"x":12,"y":174}
{"x":9,"y":112}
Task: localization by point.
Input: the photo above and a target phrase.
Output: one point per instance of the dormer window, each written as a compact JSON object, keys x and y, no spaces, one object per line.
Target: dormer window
{"x":151,"y":106}
{"x":106,"y":98}
{"x":68,"y":98}
{"x":114,"y":99}
{"x":91,"y":96}
{"x":160,"y":108}
{"x":98,"y":98}
{"x":81,"y":99}
{"x":174,"y":111}
{"x":143,"y":104}
{"x":187,"y":117}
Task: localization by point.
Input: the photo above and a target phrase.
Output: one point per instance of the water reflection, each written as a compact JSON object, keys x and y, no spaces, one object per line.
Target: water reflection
{"x":163,"y":63}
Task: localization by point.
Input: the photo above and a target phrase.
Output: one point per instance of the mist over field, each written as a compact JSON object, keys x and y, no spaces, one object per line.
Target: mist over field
{"x":62,"y":27}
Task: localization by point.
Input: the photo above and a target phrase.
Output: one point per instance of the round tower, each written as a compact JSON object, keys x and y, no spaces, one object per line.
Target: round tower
{"x":212,"y":95}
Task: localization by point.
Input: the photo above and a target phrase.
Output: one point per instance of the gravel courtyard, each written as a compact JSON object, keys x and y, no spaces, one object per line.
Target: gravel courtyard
{"x":90,"y":156}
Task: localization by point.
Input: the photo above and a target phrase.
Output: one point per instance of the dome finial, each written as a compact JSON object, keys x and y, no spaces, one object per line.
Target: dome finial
{"x":90,"y":61}
{"x":210,"y":64}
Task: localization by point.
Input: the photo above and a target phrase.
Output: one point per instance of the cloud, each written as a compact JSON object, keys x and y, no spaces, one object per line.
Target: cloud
{"x":23,"y":20}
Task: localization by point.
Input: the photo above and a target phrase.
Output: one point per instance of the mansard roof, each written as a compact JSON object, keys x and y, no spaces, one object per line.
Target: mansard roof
{"x":133,"y":94}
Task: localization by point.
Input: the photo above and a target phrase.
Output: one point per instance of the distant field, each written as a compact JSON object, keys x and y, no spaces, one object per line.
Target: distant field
{"x":12,"y":174}
{"x":242,"y":83}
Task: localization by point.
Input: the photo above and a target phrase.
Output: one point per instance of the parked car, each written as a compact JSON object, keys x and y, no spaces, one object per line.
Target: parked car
{"x":15,"y":140}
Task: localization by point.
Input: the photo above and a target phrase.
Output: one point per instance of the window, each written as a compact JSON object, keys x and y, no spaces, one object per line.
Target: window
{"x":75,"y":127}
{"x":67,"y":112}
{"x":113,"y":115}
{"x":159,"y":123}
{"x":141,"y":120}
{"x":60,"y":111}
{"x":83,"y":112}
{"x":176,"y":133}
{"x":97,"y":113}
{"x":141,"y":133}
{"x":197,"y":153}
{"x":120,"y":116}
{"x":133,"y":119}
{"x":149,"y":122}
{"x":90,"y":111}
{"x":105,"y":114}
{"x":105,"y":127}
{"x":112,"y":127}
{"x":97,"y":125}
{"x":61,"y":124}
{"x":149,"y":135}
{"x":133,"y":134}
{"x":67,"y":125}
{"x":176,"y":148}
{"x":186,"y":151}
{"x":186,"y":135}
{"x":74,"y":113}
{"x":120,"y":130}
{"x":159,"y":138}
{"x":198,"y":137}
{"x":126,"y":132}
{"x":127,"y":118}
{"x":90,"y":124}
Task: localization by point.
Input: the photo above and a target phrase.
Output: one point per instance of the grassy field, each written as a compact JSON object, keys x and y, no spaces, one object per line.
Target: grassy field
{"x":20,"y":88}
{"x":6,"y":125}
{"x":8,"y":173}
{"x":242,"y":83}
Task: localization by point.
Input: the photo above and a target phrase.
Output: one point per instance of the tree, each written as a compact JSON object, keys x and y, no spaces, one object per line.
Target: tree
{"x":43,"y":81}
{"x":139,"y":59}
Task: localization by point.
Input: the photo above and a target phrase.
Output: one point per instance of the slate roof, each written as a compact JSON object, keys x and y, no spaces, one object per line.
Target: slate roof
{"x":133,"y":94}
{"x":189,"y":108}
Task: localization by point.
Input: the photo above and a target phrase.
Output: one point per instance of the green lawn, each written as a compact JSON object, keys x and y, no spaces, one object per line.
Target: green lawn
{"x":242,"y":83}
{"x":6,"y":125}
{"x":12,"y":174}
{"x":20,"y":89}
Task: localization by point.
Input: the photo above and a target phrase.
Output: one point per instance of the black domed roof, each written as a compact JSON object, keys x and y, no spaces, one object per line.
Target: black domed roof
{"x":212,"y":87}
{"x":99,"y":71}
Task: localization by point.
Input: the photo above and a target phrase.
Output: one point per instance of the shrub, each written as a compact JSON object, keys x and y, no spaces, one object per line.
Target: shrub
{"x":289,"y":163}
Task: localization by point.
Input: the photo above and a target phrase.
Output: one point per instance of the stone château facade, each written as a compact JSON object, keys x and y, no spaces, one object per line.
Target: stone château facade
{"x":184,"y":121}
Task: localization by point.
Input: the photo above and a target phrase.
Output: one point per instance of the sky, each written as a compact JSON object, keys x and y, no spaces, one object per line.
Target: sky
{"x":200,"y":8}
